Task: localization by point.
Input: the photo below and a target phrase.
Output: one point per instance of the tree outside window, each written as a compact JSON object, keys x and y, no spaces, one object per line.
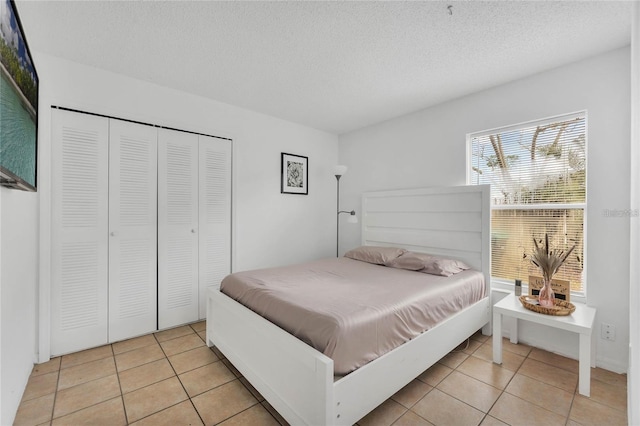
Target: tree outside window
{"x":537,"y":173}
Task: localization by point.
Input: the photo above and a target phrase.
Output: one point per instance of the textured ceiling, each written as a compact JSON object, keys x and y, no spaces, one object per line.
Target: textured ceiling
{"x":336,"y":66}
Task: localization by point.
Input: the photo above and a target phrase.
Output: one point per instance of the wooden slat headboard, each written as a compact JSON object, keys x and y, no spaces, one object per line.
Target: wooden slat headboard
{"x":449,"y":221}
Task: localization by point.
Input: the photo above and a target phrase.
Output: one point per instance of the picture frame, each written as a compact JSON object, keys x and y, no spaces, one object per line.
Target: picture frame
{"x":18,"y":105}
{"x":294,"y":174}
{"x":561,"y":288}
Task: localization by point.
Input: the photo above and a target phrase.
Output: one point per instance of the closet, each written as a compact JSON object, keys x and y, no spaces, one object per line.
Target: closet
{"x":141,"y":227}
{"x":194,"y":250}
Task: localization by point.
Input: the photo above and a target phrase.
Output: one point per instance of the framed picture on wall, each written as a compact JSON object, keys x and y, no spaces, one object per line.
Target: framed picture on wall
{"x":295,"y":174}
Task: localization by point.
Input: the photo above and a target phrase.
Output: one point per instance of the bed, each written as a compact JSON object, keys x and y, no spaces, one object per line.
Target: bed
{"x":299,"y":381}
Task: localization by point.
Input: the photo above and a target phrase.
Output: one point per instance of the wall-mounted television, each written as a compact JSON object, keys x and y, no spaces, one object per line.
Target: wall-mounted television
{"x":18,"y":104}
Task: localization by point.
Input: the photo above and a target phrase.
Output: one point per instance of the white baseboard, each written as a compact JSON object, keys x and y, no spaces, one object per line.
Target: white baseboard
{"x":601,"y":362}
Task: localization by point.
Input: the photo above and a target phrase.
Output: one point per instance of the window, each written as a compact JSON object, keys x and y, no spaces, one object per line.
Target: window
{"x":537,"y":173}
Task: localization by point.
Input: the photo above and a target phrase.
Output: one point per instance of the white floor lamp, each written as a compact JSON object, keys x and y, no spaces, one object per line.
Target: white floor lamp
{"x":339,"y":171}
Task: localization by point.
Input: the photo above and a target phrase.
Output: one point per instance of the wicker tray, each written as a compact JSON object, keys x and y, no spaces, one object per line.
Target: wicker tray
{"x":561,"y":307}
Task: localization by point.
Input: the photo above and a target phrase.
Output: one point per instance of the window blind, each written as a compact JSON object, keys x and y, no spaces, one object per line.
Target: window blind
{"x":537,"y":173}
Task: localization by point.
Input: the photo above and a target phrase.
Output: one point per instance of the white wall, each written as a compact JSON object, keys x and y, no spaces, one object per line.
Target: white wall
{"x":18,"y":286}
{"x":269,"y":228}
{"x":633,"y":384}
{"x":2,"y":392}
{"x":427,"y":148}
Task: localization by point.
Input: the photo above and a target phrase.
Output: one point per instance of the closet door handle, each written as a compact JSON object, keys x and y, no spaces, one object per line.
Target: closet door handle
{"x":193,"y":231}
{"x":113,"y":233}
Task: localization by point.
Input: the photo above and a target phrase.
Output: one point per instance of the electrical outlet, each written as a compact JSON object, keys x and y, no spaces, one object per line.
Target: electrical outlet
{"x":608,"y":331}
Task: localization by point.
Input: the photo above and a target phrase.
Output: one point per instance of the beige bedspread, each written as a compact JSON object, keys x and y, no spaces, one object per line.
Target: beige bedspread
{"x":353,"y":311}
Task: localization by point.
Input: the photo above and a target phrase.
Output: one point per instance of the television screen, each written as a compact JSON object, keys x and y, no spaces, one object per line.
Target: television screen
{"x":18,"y":104}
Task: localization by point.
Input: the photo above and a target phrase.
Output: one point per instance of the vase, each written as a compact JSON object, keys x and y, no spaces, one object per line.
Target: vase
{"x":546,"y":296}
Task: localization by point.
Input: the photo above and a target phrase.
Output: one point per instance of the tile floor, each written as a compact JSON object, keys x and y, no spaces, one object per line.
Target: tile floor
{"x":172,"y":378}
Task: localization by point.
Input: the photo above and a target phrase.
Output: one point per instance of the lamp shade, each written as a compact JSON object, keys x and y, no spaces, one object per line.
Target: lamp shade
{"x":339,"y":170}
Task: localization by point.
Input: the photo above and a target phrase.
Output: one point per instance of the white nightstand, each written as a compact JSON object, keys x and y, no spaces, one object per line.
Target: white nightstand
{"x":581,"y":321}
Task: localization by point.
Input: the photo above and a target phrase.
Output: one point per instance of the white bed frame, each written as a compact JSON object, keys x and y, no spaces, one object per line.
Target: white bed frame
{"x":297,"y":380}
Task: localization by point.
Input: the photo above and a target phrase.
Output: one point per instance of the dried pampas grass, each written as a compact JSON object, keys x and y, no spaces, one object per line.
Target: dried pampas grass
{"x":547,"y":260}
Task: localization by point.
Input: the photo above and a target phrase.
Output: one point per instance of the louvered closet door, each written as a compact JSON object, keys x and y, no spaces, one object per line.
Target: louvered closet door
{"x":132,"y":229}
{"x":177,"y":228}
{"x":215,"y":214}
{"x":79,"y":182}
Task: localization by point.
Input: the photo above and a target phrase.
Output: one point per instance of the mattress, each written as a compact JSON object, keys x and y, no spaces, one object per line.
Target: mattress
{"x":353,"y":311}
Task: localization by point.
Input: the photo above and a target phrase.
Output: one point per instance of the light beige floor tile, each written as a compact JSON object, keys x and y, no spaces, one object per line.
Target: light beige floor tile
{"x":412,"y":393}
{"x":486,"y":371}
{"x":180,"y":414}
{"x":153,"y":398}
{"x":470,"y":346}
{"x":611,"y":395}
{"x":145,"y":375}
{"x":274,"y":413}
{"x":469,"y":390}
{"x":192,"y":359}
{"x":609,"y":377}
{"x":462,"y":346}
{"x":434,"y":374}
{"x":223,"y":402}
{"x":441,"y":409}
{"x":516,"y":348}
{"x":181,"y":344}
{"x":205,"y":378}
{"x":253,"y":390}
{"x":199,"y":326}
{"x":256,"y":415}
{"x":109,"y":412}
{"x":87,"y":378}
{"x":86,"y":395}
{"x":492,"y":421}
{"x":541,"y":394}
{"x":453,"y":359}
{"x":86,"y":356}
{"x":549,"y":374}
{"x":515,"y":411}
{"x":137,"y":357}
{"x":35,"y":411}
{"x":41,"y":385}
{"x":46,"y":367}
{"x":480,"y":337}
{"x":86,"y":372}
{"x":218,"y":353}
{"x":510,"y":360}
{"x":411,"y":419}
{"x":172,"y":333}
{"x":384,"y":414}
{"x":135,"y":343}
{"x":555,"y":360}
{"x":591,"y":413}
